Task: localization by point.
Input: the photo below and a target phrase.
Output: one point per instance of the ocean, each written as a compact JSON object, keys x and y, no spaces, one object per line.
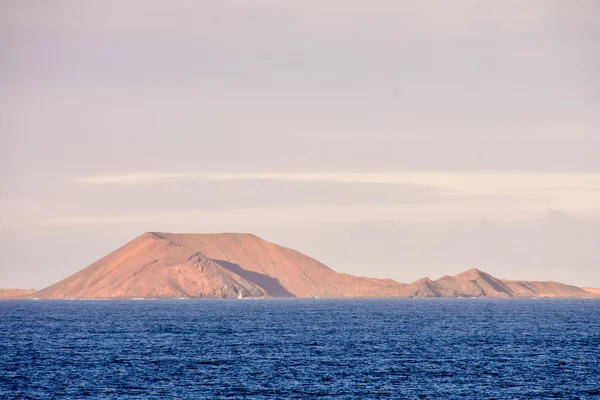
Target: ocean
{"x":300,"y":348}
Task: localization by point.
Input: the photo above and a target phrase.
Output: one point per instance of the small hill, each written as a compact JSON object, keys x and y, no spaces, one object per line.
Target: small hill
{"x":476,"y":283}
{"x":423,"y":287}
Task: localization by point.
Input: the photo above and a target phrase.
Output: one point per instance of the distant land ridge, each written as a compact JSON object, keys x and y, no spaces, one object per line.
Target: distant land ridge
{"x":240,"y":265}
{"x":10,"y":293}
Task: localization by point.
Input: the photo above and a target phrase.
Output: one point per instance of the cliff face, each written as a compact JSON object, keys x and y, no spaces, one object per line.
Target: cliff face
{"x":233,"y":265}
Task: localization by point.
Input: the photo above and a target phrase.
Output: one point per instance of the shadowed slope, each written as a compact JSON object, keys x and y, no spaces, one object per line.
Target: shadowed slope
{"x":299,"y":274}
{"x":272,"y":286}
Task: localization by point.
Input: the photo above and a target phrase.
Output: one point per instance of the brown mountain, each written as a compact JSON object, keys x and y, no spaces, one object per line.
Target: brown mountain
{"x":211,"y":265}
{"x":231,"y":265}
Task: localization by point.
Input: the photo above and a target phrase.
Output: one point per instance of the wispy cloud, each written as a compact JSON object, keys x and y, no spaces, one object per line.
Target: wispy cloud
{"x":475,"y":183}
{"x":145,"y":178}
{"x":416,"y":194}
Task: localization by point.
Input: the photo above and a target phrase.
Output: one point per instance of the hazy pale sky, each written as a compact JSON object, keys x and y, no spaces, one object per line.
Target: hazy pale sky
{"x":385,"y":138}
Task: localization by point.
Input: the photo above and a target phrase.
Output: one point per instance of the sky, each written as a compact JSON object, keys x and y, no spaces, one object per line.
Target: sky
{"x":384,"y":138}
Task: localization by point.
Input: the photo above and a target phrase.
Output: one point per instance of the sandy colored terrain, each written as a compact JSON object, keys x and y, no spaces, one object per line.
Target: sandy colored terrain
{"x":232,"y":265}
{"x":475,"y":283}
{"x":593,"y":291}
{"x":11,"y":293}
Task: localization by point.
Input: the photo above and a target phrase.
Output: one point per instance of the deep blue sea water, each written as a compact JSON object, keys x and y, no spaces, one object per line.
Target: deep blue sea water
{"x":160,"y":349}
